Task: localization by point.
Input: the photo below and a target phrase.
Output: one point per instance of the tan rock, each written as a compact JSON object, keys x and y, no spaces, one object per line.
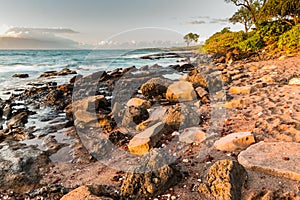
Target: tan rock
{"x":269,"y":67}
{"x":267,"y":79}
{"x":81,"y":193}
{"x":224,"y":180}
{"x":181,"y":116}
{"x":275,"y":158}
{"x":235,"y":141}
{"x":137,"y":102}
{"x":185,"y":77}
{"x":192,"y":135}
{"x":201,"y":92}
{"x":253,"y":68}
{"x":197,"y":79}
{"x":294,"y":81}
{"x":282,"y":57}
{"x":236,"y":103}
{"x":181,"y":91}
{"x":152,"y":177}
{"x":85,"y":116}
{"x":142,"y":142}
{"x":155,"y":88}
{"x":240,"y":90}
{"x":90,"y":103}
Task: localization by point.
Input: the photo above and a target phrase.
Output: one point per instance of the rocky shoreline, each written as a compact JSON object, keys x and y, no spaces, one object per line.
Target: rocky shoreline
{"x":210,"y":129}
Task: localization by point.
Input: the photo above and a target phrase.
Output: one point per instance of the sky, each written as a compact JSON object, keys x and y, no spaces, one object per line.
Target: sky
{"x":111,"y":22}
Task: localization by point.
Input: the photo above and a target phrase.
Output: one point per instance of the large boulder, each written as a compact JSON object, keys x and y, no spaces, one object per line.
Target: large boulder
{"x":181,"y":91}
{"x":224,"y":180}
{"x":275,"y":158}
{"x":144,"y":141}
{"x":84,"y":116}
{"x":151,"y":178}
{"x":137,"y":102}
{"x":90,"y":104}
{"x":134,"y":116}
{"x":20,"y":166}
{"x":181,"y":116}
{"x":197,"y":80}
{"x":155,"y":88}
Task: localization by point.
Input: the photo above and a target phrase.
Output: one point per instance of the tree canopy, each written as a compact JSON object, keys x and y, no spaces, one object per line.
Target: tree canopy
{"x":244,"y":17}
{"x":191,"y":37}
{"x":282,"y":9}
{"x":252,"y":6}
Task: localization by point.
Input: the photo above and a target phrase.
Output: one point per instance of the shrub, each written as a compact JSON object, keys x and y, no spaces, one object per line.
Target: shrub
{"x":290,"y":41}
{"x":271,"y":30}
{"x":223,"y":40}
{"x":254,"y":42}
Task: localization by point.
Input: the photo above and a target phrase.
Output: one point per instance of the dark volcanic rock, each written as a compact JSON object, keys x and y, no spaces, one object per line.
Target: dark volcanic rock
{"x":152,"y":177}
{"x":63,"y":72}
{"x":20,"y":75}
{"x":184,"y":67}
{"x":19,"y":166}
{"x":7,"y":111}
{"x":155,"y":88}
{"x":225,"y":180}
{"x":18,"y":121}
{"x":135,"y":115}
{"x":181,"y":116}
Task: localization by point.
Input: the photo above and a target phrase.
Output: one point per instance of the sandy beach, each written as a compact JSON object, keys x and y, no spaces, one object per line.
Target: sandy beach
{"x":241,"y":118}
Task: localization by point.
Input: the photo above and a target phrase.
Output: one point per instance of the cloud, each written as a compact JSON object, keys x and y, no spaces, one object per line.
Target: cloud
{"x":208,"y":20}
{"x":198,"y":22}
{"x":203,"y":17}
{"x":31,"y":32}
{"x":20,"y":37}
{"x":218,"y":21}
{"x":138,"y":44}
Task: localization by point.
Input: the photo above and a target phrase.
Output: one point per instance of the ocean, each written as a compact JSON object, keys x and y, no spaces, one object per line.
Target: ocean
{"x":84,"y":62}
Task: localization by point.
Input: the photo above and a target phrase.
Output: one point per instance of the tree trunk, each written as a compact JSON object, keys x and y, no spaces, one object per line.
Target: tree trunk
{"x":295,"y":19}
{"x":246,"y":27}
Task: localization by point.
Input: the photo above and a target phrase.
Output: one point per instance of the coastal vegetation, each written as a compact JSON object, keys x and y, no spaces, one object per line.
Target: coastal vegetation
{"x":191,"y":37}
{"x":268,"y":25}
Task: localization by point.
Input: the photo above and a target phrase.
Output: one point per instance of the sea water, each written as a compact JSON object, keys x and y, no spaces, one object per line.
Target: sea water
{"x":84,"y":62}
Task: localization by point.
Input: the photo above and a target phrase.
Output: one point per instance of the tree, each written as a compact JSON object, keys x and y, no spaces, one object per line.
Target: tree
{"x":252,"y":6}
{"x":242,"y":16}
{"x":191,"y":37}
{"x":282,"y":9}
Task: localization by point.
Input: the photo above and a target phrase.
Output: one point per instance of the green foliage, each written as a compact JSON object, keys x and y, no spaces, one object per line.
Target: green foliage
{"x":254,"y":42}
{"x":270,"y":31}
{"x":242,"y":16}
{"x":223,"y":40}
{"x":251,"y":6}
{"x":290,"y":41}
{"x":190,"y":37}
{"x":281,"y":9}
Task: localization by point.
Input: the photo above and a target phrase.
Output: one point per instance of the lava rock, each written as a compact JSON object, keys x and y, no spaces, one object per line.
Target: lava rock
{"x":225,"y":180}
{"x":181,"y":91}
{"x":134,"y":116}
{"x":151,"y":178}
{"x":18,"y":120}
{"x":155,"y":88}
{"x":19,"y":165}
{"x":20,"y":75}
